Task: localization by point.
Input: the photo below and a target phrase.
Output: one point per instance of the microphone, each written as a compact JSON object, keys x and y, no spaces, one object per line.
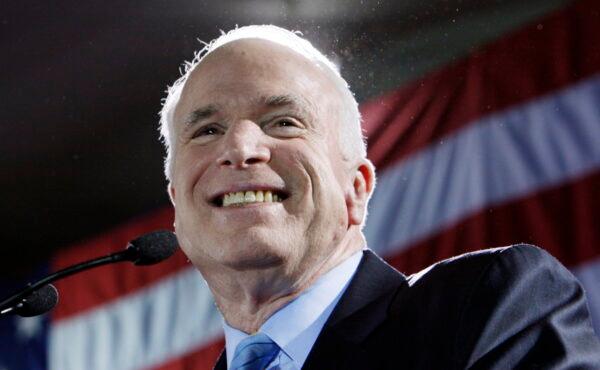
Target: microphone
{"x":37,"y":303}
{"x":151,"y":248}
{"x":147,"y":249}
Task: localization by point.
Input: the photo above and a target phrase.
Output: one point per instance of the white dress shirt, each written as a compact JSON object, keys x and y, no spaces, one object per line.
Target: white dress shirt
{"x":296,"y":326}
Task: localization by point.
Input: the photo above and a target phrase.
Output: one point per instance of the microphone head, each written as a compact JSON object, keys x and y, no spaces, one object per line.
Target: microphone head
{"x":153,"y":247}
{"x":38,"y":302}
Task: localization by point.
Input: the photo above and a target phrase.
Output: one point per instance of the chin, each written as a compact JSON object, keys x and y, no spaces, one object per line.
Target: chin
{"x":255,"y":249}
{"x":252,"y":259}
{"x":247,"y":249}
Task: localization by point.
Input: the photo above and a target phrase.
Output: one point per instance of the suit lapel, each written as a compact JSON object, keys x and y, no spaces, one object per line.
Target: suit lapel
{"x":362,"y":308}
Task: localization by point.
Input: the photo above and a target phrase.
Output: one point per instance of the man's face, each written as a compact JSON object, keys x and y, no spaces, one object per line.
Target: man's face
{"x":256,"y":118}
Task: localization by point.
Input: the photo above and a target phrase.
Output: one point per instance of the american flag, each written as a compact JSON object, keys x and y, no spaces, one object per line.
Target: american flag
{"x":500,"y":147}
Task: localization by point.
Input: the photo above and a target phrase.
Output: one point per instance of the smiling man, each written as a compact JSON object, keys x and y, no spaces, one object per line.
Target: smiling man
{"x":270,"y":182}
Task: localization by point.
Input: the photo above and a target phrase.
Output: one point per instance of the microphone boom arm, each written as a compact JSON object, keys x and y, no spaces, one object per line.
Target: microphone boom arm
{"x":128,"y":254}
{"x":145,"y":250}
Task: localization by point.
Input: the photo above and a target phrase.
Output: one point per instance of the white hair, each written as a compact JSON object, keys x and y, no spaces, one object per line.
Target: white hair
{"x":351,"y":139}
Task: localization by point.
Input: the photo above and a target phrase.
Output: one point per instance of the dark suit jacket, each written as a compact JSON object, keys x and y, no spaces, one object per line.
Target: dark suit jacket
{"x":505,"y":308}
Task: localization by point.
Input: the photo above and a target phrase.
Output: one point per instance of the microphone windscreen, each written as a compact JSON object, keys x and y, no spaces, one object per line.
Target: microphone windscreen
{"x":153,"y":247}
{"x":38,"y":302}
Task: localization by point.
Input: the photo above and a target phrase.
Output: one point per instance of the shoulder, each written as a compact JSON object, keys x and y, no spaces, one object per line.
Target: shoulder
{"x":496,"y":306}
{"x":460,"y":283}
{"x":508,"y":261}
{"x":516,"y":294}
{"x":518,"y":281}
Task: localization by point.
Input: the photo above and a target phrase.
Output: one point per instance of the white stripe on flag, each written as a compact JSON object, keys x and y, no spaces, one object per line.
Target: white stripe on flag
{"x":501,"y":157}
{"x":589,"y":276}
{"x":144,"y":329}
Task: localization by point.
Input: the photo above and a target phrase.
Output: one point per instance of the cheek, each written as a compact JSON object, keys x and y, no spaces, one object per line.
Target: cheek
{"x":329,"y":221}
{"x":329,"y":180}
{"x":326,"y":189}
{"x":191,"y":165}
{"x":313,"y":166}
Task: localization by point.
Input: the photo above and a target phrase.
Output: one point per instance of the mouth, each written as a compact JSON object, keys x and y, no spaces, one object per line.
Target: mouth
{"x":242,"y":198}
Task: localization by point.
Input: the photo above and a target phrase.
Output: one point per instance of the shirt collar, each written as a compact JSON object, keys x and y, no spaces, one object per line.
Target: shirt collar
{"x":296,"y":326}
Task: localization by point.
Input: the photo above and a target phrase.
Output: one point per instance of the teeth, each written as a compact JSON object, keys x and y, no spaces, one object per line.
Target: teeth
{"x":247,"y":197}
{"x":239,"y":197}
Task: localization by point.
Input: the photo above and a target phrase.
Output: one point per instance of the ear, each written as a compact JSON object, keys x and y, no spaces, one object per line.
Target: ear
{"x":171,"y":192}
{"x":363,"y":181}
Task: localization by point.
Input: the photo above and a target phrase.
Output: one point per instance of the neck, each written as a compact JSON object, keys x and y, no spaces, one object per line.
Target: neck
{"x":248,"y":298}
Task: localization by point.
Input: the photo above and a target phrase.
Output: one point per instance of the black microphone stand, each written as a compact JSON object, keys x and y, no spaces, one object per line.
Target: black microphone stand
{"x":6,"y":306}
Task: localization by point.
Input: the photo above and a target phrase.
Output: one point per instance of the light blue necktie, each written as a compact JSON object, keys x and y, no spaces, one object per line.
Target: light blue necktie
{"x":254,"y":353}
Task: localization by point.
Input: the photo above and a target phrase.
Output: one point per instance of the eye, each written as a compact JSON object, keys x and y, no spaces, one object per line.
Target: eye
{"x":284,"y":127}
{"x":285,"y":123}
{"x":207,"y":130}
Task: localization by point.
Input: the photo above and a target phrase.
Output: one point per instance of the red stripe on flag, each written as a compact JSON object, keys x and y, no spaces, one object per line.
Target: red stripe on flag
{"x":101,"y":285}
{"x":201,"y":359}
{"x":550,"y":54}
{"x":561,"y":220}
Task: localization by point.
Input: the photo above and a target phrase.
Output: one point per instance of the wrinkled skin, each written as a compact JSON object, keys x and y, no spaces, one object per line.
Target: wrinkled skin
{"x":233,"y":132}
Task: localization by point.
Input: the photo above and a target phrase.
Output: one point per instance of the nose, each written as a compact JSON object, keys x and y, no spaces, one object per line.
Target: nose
{"x":244,"y":146}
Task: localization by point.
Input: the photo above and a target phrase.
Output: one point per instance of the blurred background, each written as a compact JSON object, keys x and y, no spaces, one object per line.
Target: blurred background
{"x":482,"y":117}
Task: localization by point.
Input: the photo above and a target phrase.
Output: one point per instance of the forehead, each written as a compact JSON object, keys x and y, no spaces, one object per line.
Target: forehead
{"x":244,"y":71}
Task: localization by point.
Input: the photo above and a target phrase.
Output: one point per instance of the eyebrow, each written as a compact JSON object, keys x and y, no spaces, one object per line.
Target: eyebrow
{"x":201,"y":113}
{"x":274,"y":101}
{"x":281,"y":100}
{"x":298,"y":104}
